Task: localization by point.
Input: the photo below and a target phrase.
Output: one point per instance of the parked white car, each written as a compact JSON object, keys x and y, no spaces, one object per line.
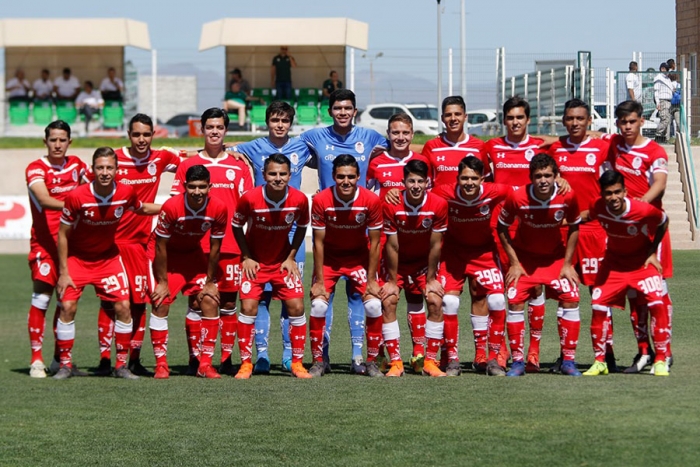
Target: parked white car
{"x":482,"y":121}
{"x":376,"y":116}
{"x":600,"y":123}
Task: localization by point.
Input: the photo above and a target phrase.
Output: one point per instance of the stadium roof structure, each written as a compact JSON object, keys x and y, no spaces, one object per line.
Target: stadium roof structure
{"x":74,"y":32}
{"x":284,"y":31}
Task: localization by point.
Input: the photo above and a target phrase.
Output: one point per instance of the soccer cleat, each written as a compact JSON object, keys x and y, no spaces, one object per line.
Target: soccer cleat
{"x":287,"y":364}
{"x":245,"y":371}
{"x":479,"y":364}
{"x":669,"y":361}
{"x":503,"y":356}
{"x":192,"y":367}
{"x":298,"y":371}
{"x":556,"y":368}
{"x":162,"y":372}
{"x":54,"y":366}
{"x":326,"y":364}
{"x":226,"y":368}
{"x":431,"y":368}
{"x":568,"y":368}
{"x":262,"y":366}
{"x":640,"y":362}
{"x":395,"y":369}
{"x":597,"y":369}
{"x":517,"y":369}
{"x":75,"y":371}
{"x":417,"y":363}
{"x":533,"y":363}
{"x":611,"y":362}
{"x":124,"y":373}
{"x":494,"y":369}
{"x":37,"y":369}
{"x":358,"y":367}
{"x":64,"y":372}
{"x":208,"y":372}
{"x":138,"y":369}
{"x":660,"y":368}
{"x":372,"y":370}
{"x":317,"y":369}
{"x":383,"y":363}
{"x":104,"y":368}
{"x":453,"y":368}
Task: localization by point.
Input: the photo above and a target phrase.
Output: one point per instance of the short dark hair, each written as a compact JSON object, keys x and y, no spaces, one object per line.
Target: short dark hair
{"x":57,"y":125}
{"x":89,"y":83}
{"x":331,"y":73}
{"x":141,"y":118}
{"x":342,"y":95}
{"x":625,"y":108}
{"x":401,"y":117}
{"x":66,"y":70}
{"x":576,"y":104}
{"x":104,"y":151}
{"x":415,"y":167}
{"x":610,"y":178}
{"x":542,"y":161}
{"x":214,"y":112}
{"x":279,"y":107}
{"x":277,"y":158}
{"x":45,"y":70}
{"x":632,"y":63}
{"x":471,"y":162}
{"x":236,"y":71}
{"x":197,"y":173}
{"x":453,"y":100}
{"x":345,"y":160}
{"x":516,"y":101}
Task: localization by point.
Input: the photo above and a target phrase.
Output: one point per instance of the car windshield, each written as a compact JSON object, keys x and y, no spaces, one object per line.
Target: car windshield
{"x":424,"y":113}
{"x":602,"y":110}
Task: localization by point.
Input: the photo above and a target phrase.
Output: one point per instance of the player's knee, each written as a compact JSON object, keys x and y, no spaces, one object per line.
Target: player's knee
{"x":194,"y":315}
{"x":68,"y":310}
{"x":373,"y":308}
{"x":319,"y":308}
{"x":450,"y":304}
{"x":122,"y":311}
{"x":496,"y":301}
{"x":41,"y":301}
{"x":539,"y":300}
{"x":209,"y":306}
{"x":295,"y":307}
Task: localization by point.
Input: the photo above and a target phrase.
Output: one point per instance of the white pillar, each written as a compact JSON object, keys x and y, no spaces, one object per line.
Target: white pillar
{"x":449,"y":72}
{"x":154,"y":87}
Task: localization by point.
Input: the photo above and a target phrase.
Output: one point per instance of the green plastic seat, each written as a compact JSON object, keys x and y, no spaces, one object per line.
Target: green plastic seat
{"x":257,"y":115}
{"x":307,"y":96}
{"x":113,"y":115}
{"x":42,"y":112}
{"x":19,"y":112}
{"x":326,"y":119}
{"x":66,"y":111}
{"x":263,"y":93}
{"x":307,"y":114}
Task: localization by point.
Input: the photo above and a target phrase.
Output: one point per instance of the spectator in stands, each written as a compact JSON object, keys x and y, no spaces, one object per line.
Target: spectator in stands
{"x":634,"y":83}
{"x":331,"y":85}
{"x":671,"y":65}
{"x":111,"y":86}
{"x":675,"y":102}
{"x":89,"y":102}
{"x":281,"y":73}
{"x":66,"y":86}
{"x":43,"y":87}
{"x":663,"y":93}
{"x":237,"y":100}
{"x":18,"y":87}
{"x":237,"y":77}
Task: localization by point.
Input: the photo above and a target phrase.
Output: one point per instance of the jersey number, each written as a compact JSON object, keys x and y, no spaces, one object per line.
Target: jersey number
{"x":564,"y":286}
{"x":112,"y":283}
{"x":360,"y":276}
{"x":490,"y":277}
{"x":650,"y":285}
{"x":590,"y":265}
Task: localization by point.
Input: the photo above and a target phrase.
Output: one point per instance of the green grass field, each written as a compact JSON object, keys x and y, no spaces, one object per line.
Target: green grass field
{"x":347,"y":420}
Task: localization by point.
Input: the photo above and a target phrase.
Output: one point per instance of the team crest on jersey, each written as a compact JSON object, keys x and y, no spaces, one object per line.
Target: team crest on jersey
{"x":360,"y":147}
{"x":239,"y":217}
{"x":205,"y":226}
{"x":289,"y":218}
{"x":231,"y":174}
{"x":245,"y":287}
{"x":315,"y":217}
{"x":645,"y":230}
{"x":637,"y":162}
{"x":152,"y":169}
{"x":74,"y":175}
{"x":596,"y":293}
{"x":118,"y":212}
{"x":558,"y":215}
{"x":360,"y":217}
{"x":504,"y":213}
{"x":484,"y":210}
{"x":44,"y":269}
{"x":427,"y":223}
{"x":512,"y":291}
{"x":529,"y":154}
{"x":590,"y":159}
{"x":632,"y":230}
{"x":66,"y":212}
{"x":294,"y":157}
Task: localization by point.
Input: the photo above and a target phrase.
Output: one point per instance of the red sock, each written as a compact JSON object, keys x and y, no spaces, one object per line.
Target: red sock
{"x":36,"y":323}
{"x":391,"y":335}
{"x":434,"y":332}
{"x":432,"y":347}
{"x":138,"y":314}
{"x":210,"y":331}
{"x":56,"y":314}
{"x":193,"y":330}
{"x":609,"y":333}
{"x":65,"y":337}
{"x":373,"y":329}
{"x":159,"y":339}
{"x":317,"y":326}
{"x":451,"y":335}
{"x":660,"y":330}
{"x":571,"y":328}
{"x":246,"y":337}
{"x":496,"y":332}
{"x":480,"y":329}
{"x":639,"y":316}
{"x":416,"y":325}
{"x":669,"y":307}
{"x":122,"y":341}
{"x":228,"y":323}
{"x":535,"y":316}
{"x":598,"y":333}
{"x":297,"y":334}
{"x":516,"y":336}
{"x":105,"y":331}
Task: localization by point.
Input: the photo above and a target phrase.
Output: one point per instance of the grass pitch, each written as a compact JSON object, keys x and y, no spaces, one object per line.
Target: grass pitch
{"x":342,"y":419}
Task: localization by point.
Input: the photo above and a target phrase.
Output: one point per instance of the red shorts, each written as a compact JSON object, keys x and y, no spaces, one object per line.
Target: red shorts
{"x":283,"y":288}
{"x":410,"y":278}
{"x":356,"y":276}
{"x":611,"y":286}
{"x":665,"y":256}
{"x":482,"y":266}
{"x":590,"y":251}
{"x":106,"y":275}
{"x":542,"y":272}
{"x":137,"y":270}
{"x":229,"y":273}
{"x":44,"y":266}
{"x":187,"y":273}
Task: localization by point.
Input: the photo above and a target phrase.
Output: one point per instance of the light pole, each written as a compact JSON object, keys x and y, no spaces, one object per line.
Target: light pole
{"x":371,"y":73}
{"x":439,"y":59}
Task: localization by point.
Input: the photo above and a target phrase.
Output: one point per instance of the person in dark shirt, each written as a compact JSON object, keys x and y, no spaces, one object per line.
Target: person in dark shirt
{"x":281,"y":73}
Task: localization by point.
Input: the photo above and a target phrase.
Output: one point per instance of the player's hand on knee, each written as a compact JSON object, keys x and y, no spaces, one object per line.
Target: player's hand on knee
{"x":373,"y":288}
{"x":250,"y":268}
{"x":515,"y":272}
{"x":434,"y":286}
{"x":64,"y":281}
{"x":318,"y":290}
{"x":209,"y":290}
{"x":388,"y":289}
{"x":160,"y":293}
{"x":290,"y":267}
{"x":569,"y":273}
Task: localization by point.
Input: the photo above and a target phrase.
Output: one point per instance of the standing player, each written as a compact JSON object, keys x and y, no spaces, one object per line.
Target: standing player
{"x":414,"y":230}
{"x":342,"y":215}
{"x":140,"y":167}
{"x":470,"y":253}
{"x":630,"y":263}
{"x":279,"y":117}
{"x":537,"y":255}
{"x":181,"y":265}
{"x":343,"y":137}
{"x":230,"y":178}
{"x":271,"y":211}
{"x":87,"y":254}
{"x":447,"y":150}
{"x":49,"y":180}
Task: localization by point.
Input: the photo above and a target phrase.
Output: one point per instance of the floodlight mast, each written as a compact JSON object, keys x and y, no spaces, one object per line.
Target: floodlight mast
{"x":439,"y":61}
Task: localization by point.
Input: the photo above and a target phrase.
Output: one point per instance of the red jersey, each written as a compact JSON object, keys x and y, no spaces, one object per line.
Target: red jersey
{"x":59,"y":180}
{"x":185,"y":228}
{"x":229,"y":180}
{"x":539,"y":230}
{"x":269,"y":222}
{"x":346,"y":223}
{"x":95,"y":219}
{"x":630,"y":234}
{"x":413,"y":226}
{"x":469,"y":223}
{"x":638,"y":164}
{"x":444,"y":157}
{"x":511,"y":161}
{"x":386,"y":172}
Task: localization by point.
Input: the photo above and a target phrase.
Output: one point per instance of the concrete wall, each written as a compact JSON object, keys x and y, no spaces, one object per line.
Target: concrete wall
{"x":176,"y":94}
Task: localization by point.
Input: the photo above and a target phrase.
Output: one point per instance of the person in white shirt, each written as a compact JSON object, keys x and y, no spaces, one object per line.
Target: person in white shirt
{"x":634,"y":83}
{"x":66,"y":86}
{"x":111,"y":86}
{"x":89,"y":102}
{"x":663,"y":93}
{"x":43,"y":87}
{"x":18,"y":87}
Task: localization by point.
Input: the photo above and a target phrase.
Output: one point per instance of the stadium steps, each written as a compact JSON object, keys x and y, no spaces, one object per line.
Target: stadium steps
{"x":675,"y":206}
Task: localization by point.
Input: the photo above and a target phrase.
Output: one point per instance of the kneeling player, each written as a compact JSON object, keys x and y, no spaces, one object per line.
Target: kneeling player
{"x":271,"y":210}
{"x":630,"y":264}
{"x":416,"y":225}
{"x":180,"y":264}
